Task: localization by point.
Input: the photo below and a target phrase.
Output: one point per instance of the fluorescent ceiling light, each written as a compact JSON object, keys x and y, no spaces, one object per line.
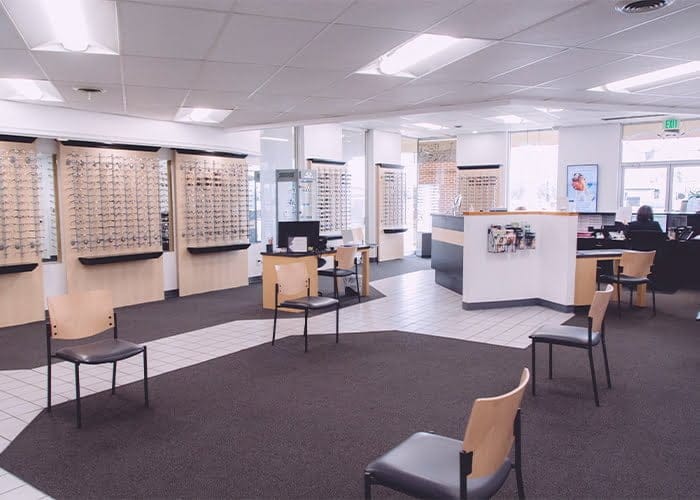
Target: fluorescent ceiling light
{"x":423,"y":54}
{"x":475,"y":131}
{"x":649,"y":79}
{"x":202,"y":115}
{"x":68,"y":22}
{"x":509,"y":119}
{"x":550,"y":110}
{"x":429,"y":126}
{"x":276,"y":139}
{"x":20,"y":89}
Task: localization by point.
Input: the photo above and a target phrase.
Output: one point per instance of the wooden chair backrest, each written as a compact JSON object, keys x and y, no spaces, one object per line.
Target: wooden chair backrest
{"x":358,"y":235}
{"x":345,"y":257}
{"x":292,"y":279}
{"x":489,"y":433}
{"x":79,"y":315}
{"x":637,"y":264}
{"x":596,"y":312}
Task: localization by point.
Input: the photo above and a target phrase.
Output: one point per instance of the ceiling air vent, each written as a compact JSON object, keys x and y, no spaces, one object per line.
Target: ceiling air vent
{"x":89,"y":91}
{"x":641,"y":6}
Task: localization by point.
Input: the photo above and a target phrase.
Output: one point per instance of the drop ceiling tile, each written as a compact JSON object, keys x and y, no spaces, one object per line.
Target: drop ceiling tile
{"x":19,"y":64}
{"x":689,"y":50}
{"x":262,"y":40}
{"x":154,"y":97}
{"x":358,"y":86}
{"x":160,"y":72}
{"x":272,"y":102}
{"x":220,"y":5}
{"x":250,"y":119}
{"x":586,"y":23}
{"x":325,"y":105}
{"x":492,"y":61}
{"x":111,"y":100}
{"x":687,"y":87}
{"x":215,"y":99}
{"x":232,"y":77}
{"x":348,"y":48}
{"x":475,"y":93}
{"x":409,"y":15}
{"x":689,"y":104}
{"x":158,"y":113}
{"x":9,"y":38}
{"x":498,"y":19}
{"x":67,"y":66}
{"x":307,"y":10}
{"x":677,"y":27}
{"x":299,"y":81}
{"x":417,"y":91}
{"x":157,"y":31}
{"x":559,"y":66}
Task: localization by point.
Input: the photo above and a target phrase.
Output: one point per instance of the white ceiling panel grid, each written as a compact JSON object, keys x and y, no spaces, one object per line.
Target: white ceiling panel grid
{"x":409,"y":15}
{"x":160,"y":72}
{"x":306,"y":10}
{"x":242,"y":77}
{"x":69,"y":66}
{"x":19,"y":64}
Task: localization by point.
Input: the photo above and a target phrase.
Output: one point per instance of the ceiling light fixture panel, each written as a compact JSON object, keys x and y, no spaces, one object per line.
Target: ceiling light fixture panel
{"x":509,"y":119}
{"x":20,"y":89}
{"x":429,"y":126}
{"x":202,"y":115}
{"x":646,"y":80}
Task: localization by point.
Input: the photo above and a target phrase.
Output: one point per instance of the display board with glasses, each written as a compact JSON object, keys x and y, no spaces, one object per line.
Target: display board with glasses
{"x":333,"y":183}
{"x":20,"y":218}
{"x":216,"y":208}
{"x":113,"y":202}
{"x":480,"y":188}
{"x":392,"y":197}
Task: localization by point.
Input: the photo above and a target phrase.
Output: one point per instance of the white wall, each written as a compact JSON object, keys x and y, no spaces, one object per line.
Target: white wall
{"x":323,"y":141}
{"x":598,"y":144}
{"x":382,"y":147}
{"x":485,"y":149}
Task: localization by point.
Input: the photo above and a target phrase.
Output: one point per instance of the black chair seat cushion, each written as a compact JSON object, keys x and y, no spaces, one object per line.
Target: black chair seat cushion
{"x":568,"y":335}
{"x":427,"y":466}
{"x":103,"y":351}
{"x":310,"y":303}
{"x":340,"y":273}
{"x":624,"y":280}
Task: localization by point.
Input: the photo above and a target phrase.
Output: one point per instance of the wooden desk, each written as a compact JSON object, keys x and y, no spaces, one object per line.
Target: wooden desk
{"x":586,"y":273}
{"x":269,"y":275}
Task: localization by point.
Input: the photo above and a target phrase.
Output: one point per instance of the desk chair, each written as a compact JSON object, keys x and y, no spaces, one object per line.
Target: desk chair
{"x":293,"y":286}
{"x":81,"y":315}
{"x":427,"y":465}
{"x":646,"y":241}
{"x":635,"y":269}
{"x":345,"y":259}
{"x":577,"y":336}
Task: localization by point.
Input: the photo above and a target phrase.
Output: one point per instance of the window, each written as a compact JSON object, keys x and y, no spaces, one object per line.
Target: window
{"x":276,"y":153}
{"x":354,"y":156}
{"x":532,"y":173}
{"x":644,"y":186}
{"x":409,"y":159}
{"x":686,"y":188}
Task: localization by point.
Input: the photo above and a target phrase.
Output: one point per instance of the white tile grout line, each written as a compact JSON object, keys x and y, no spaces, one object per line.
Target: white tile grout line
{"x":406,"y":299}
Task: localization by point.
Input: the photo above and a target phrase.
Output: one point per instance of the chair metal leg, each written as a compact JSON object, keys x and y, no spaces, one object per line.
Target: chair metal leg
{"x":114,"y":376}
{"x":337,"y":321}
{"x":335,"y":286}
{"x":77,"y":394}
{"x":532,"y":348}
{"x":631,"y":294}
{"x":653,"y":301}
{"x":48,"y":386}
{"x":306,"y":330}
{"x":605,"y":357}
{"x":595,"y":385}
{"x":274,"y":326}
{"x":359,"y":292}
{"x":550,"y":361}
{"x":368,"y":486}
{"x":619,"y":309}
{"x":145,"y":376}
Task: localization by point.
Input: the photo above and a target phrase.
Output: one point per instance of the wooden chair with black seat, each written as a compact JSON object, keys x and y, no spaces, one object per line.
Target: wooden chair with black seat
{"x":82,"y":315}
{"x":635,"y":269}
{"x":427,"y":465}
{"x":293,"y":287}
{"x":344,"y":265}
{"x":578,"y":336}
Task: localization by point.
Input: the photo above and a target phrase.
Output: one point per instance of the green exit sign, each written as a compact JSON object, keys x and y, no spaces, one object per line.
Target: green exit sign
{"x":672,"y":124}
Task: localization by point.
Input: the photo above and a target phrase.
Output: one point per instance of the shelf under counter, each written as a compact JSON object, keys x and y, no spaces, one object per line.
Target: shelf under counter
{"x":113,"y":259}
{"x":18,"y":268}
{"x":218,"y":248}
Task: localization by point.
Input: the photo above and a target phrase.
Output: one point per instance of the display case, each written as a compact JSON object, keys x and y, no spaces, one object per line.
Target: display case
{"x":329,"y":184}
{"x":480,"y":187}
{"x":287,"y":191}
{"x":391,"y":210}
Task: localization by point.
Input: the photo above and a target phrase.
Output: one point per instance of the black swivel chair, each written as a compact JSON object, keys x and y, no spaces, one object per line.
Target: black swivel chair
{"x":646,"y":241}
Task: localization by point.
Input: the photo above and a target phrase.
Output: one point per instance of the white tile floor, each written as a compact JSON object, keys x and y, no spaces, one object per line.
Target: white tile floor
{"x":413,"y":303}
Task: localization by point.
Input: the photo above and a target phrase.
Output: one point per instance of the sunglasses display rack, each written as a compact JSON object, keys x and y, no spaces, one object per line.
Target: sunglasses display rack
{"x":480,"y":188}
{"x":333,"y":196}
{"x":47,"y":205}
{"x":113,"y":203}
{"x":216,"y":207}
{"x":164,"y":203}
{"x":392,"y":213}
{"x":20,"y":218}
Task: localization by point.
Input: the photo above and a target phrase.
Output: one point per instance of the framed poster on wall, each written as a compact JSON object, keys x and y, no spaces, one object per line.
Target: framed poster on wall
{"x":582,"y":187}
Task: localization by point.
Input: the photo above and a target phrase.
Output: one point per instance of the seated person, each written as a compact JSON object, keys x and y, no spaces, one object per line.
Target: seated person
{"x":645,"y":221}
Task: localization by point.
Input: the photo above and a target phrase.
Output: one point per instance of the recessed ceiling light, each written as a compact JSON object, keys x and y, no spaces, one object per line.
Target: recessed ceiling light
{"x":423,"y":54}
{"x":550,"y":110}
{"x":20,"y":89}
{"x":202,"y":115}
{"x":276,"y":139}
{"x":475,"y":131}
{"x":429,"y":126}
{"x":645,"y":80}
{"x":509,"y":119}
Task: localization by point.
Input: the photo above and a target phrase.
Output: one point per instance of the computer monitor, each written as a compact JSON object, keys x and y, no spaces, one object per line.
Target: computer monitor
{"x":308,"y":229}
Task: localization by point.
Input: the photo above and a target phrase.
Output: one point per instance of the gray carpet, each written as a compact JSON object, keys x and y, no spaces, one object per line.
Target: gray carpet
{"x":273,"y":422}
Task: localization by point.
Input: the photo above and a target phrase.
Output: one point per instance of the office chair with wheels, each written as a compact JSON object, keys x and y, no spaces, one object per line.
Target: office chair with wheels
{"x":579,"y":337}
{"x":81,"y":315}
{"x":427,"y":465}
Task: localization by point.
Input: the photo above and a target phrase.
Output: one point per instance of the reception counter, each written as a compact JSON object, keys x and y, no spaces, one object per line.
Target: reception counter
{"x":447,"y":250}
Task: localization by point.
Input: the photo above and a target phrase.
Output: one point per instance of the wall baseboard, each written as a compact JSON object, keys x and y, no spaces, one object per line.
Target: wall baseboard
{"x":472,"y":306}
{"x":172,"y":294}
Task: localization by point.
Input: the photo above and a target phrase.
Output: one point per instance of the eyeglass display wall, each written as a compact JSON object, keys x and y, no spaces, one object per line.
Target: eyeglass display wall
{"x":391,"y":210}
{"x":213,"y":221}
{"x":21,"y":283}
{"x":480,"y":187}
{"x":332,"y":189}
{"x":111,"y":221}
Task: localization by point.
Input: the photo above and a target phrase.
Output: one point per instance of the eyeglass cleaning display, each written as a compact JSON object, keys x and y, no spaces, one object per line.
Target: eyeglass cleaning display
{"x":510,"y":238}
{"x":392,"y":198}
{"x":480,"y":189}
{"x":333,"y":184}
{"x":114,"y":203}
{"x":20,"y":220}
{"x":216,"y":201}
